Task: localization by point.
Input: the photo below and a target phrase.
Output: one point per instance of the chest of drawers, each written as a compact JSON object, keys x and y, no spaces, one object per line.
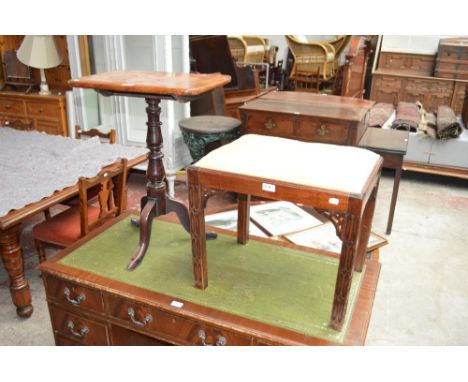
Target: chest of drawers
{"x":46,"y":113}
{"x":307,"y":117}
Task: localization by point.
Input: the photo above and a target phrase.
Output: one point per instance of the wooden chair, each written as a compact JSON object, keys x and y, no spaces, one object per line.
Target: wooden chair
{"x":72,"y":224}
{"x":310,"y":56}
{"x":307,"y":81}
{"x":110,"y":136}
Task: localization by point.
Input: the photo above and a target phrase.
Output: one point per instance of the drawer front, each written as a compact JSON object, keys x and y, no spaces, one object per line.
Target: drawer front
{"x":169,"y":327}
{"x":43,"y":110}
{"x":315,"y":130}
{"x":11,"y":106}
{"x":48,"y":127}
{"x":270,"y":124}
{"x":387,"y":83}
{"x":80,"y":329}
{"x":70,"y":294}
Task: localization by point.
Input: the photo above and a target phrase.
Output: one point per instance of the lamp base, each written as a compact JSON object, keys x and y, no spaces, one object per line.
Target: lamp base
{"x":44,"y":89}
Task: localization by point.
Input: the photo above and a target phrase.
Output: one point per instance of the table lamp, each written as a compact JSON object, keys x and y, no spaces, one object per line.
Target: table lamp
{"x":40,"y":52}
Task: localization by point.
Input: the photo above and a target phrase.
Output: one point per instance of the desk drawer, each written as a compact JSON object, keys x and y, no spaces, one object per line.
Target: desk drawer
{"x":70,"y":294}
{"x":269,"y":124}
{"x":11,"y":106}
{"x":49,"y":127}
{"x":77,"y":328}
{"x":315,"y":130}
{"x":169,"y":327}
{"x":43,"y":110}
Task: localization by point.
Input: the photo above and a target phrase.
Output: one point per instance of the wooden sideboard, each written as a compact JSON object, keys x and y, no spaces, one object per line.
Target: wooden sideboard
{"x":88,"y":308}
{"x":408,"y":77}
{"x":307,"y":117}
{"x":46,"y":112}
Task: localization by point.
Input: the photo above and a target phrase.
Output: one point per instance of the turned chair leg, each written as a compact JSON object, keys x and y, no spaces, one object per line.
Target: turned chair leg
{"x":40,"y":250}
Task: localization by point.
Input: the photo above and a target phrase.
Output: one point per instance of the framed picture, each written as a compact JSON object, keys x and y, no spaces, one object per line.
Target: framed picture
{"x":324,"y":237}
{"x":279,"y":218}
{"x":228,"y":220}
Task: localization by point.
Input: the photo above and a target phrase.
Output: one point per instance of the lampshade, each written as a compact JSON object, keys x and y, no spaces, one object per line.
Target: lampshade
{"x":39,"y":52}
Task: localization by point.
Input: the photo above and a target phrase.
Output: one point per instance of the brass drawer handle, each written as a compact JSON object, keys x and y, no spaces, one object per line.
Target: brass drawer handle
{"x":270,"y":124}
{"x":148,"y":318}
{"x":221,"y":341}
{"x":322,"y":130}
{"x":74,"y":301}
{"x":83,"y":331}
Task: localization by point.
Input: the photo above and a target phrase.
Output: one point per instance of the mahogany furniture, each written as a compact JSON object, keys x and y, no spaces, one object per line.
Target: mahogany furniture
{"x":391,"y":145}
{"x":10,"y":249}
{"x":46,"y":113}
{"x":409,"y":77}
{"x":339,"y":182}
{"x":452,"y":58}
{"x":70,"y":225}
{"x":153,"y":87}
{"x":88,"y":307}
{"x":307,"y":117}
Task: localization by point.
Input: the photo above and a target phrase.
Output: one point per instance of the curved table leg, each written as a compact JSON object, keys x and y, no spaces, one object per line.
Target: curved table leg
{"x":146,"y":221}
{"x":12,"y":258}
{"x":181,"y":210}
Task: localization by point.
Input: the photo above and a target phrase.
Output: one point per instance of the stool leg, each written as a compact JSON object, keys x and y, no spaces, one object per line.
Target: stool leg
{"x":197,"y":232}
{"x":345,"y":271}
{"x":365,"y":230}
{"x":243,"y":218}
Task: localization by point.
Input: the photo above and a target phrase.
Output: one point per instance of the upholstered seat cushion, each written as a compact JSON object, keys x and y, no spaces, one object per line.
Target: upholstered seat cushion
{"x":209,"y":124}
{"x":63,"y":228}
{"x":331,"y":167}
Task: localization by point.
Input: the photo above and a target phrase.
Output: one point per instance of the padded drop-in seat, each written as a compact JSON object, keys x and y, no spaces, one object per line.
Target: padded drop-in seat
{"x":200,"y":131}
{"x":331,"y":167}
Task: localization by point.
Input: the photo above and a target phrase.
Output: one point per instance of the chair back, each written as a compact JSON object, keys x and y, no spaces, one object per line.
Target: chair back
{"x":110,"y":136}
{"x":112,"y":196}
{"x":238,"y":48}
{"x":256,"y":49}
{"x":340,"y":44}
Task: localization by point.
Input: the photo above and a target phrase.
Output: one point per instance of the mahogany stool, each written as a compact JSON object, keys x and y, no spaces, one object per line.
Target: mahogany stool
{"x":340,"y":182}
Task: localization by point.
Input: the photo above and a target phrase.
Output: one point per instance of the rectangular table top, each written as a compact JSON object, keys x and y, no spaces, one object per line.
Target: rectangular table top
{"x":35,"y":166}
{"x":385,"y":140}
{"x":313,"y":105}
{"x":152,"y":83}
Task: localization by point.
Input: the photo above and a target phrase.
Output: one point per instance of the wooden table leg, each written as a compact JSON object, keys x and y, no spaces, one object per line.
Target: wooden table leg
{"x":12,"y":259}
{"x":243,"y":218}
{"x":365,"y":230}
{"x":396,"y":186}
{"x":197,"y":232}
{"x":349,"y":232}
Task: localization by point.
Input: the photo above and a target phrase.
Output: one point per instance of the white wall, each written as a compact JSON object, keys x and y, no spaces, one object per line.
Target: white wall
{"x":421,"y":44}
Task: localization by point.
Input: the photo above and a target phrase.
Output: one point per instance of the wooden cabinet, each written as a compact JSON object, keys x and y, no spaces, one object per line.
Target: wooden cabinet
{"x":47,"y":113}
{"x":408,"y":77}
{"x":307,"y":117}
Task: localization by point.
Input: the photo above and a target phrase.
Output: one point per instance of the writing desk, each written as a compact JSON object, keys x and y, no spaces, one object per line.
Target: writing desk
{"x":153,"y":87}
{"x":10,"y":223}
{"x":259,"y":295}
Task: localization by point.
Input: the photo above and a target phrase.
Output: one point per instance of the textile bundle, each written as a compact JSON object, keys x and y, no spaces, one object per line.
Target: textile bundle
{"x":447,"y":123}
{"x":408,"y":117}
{"x":380,"y":113}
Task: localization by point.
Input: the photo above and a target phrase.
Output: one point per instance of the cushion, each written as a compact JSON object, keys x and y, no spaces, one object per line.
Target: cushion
{"x":209,"y":124}
{"x":63,"y":228}
{"x":331,"y":167}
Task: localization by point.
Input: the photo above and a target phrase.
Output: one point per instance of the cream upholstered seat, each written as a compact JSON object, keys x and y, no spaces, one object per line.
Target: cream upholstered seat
{"x":331,"y":167}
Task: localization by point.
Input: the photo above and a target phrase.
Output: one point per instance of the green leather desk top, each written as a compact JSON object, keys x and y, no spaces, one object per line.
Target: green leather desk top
{"x":268,"y":283}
